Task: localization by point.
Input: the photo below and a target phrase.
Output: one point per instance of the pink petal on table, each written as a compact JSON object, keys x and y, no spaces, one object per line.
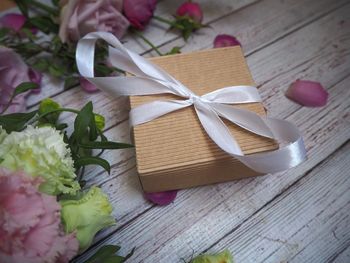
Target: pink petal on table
{"x":87,"y":85}
{"x":161,"y":198}
{"x":225,"y":41}
{"x":307,"y":93}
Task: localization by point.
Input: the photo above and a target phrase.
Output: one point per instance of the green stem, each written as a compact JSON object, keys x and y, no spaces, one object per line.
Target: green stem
{"x":137,"y":33}
{"x":43,"y":7}
{"x":169,"y":22}
{"x":53,"y":111}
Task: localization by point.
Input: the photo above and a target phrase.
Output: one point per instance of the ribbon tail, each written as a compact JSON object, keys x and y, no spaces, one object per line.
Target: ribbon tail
{"x":150,"y":111}
{"x":282,"y":159}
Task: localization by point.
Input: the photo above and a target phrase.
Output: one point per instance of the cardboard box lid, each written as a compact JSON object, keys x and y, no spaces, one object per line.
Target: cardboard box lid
{"x":177,"y":139}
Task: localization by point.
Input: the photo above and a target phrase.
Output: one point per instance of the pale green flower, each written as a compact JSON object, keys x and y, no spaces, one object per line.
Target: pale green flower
{"x":40,"y":152}
{"x":86,"y":214}
{"x":3,"y":134}
{"x":222,"y":257}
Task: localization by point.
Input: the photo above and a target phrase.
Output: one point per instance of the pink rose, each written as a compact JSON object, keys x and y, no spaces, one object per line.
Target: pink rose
{"x":139,"y":12}
{"x":30,"y":223}
{"x":225,"y":41}
{"x":13,"y":71}
{"x":192,"y":10}
{"x":15,"y":22}
{"x":79,"y":17}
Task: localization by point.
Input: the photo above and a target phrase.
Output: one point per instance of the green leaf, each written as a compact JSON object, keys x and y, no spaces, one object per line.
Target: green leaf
{"x":88,"y":160}
{"x":56,"y":70}
{"x":105,"y":145}
{"x":174,"y":50}
{"x":48,"y":105}
{"x":24,"y":87}
{"x":41,"y":64}
{"x":15,"y":121}
{"x":4,"y":32}
{"x":106,"y":254}
{"x":44,"y":23}
{"x":83,"y":120}
{"x":22,"y":5}
{"x":71,"y":82}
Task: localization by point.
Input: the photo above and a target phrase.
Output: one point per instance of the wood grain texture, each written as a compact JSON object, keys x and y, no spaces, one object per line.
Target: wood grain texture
{"x":284,"y":40}
{"x":241,"y":199}
{"x":309,"y":222}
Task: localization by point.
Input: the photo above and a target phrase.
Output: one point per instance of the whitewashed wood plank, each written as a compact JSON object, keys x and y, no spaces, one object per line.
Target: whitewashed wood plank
{"x":156,"y":32}
{"x":200,"y":216}
{"x":308,"y":223}
{"x":343,"y":256}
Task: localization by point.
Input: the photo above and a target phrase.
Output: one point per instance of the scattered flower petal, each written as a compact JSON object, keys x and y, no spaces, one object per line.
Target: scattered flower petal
{"x":161,"y":198}
{"x":87,"y":85}
{"x":225,"y":41}
{"x":307,"y":93}
{"x":139,"y":12}
{"x":192,"y":10}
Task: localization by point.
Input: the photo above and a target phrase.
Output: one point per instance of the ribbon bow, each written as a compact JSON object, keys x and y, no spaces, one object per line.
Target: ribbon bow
{"x":149,"y":79}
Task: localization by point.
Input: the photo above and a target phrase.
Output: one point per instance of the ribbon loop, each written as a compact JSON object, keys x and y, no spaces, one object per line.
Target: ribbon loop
{"x":149,"y":79}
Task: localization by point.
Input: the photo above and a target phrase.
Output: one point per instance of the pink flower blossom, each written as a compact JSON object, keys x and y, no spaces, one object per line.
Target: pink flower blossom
{"x":30,"y":223}
{"x":15,"y":22}
{"x":13,"y":71}
{"x":79,"y":17}
{"x":225,"y":41}
{"x":161,"y":198}
{"x":139,"y":12}
{"x":192,"y":10}
{"x":307,"y":93}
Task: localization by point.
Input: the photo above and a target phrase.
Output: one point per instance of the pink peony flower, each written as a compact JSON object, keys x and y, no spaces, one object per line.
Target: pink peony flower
{"x":13,"y":71}
{"x":225,"y":41}
{"x":192,"y":10}
{"x":161,"y":198}
{"x":79,"y":17}
{"x":30,"y":223}
{"x":307,"y":93}
{"x":139,"y":12}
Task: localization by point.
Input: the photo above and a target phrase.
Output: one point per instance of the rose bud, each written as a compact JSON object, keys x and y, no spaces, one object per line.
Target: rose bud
{"x":161,"y":198}
{"x":192,"y":10}
{"x":15,"y":22}
{"x":139,"y":12}
{"x":225,"y":41}
{"x":307,"y":93}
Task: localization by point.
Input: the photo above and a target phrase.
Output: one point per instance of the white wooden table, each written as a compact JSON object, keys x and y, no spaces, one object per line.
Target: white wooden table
{"x":302,"y":215}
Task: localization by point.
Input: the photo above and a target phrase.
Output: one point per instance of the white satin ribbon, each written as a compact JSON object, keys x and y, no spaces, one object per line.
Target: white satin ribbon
{"x":149,"y":79}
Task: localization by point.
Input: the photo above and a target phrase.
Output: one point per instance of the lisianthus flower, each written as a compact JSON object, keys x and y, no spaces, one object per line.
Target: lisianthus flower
{"x":222,"y":257}
{"x":13,"y":71}
{"x":86,"y":214}
{"x":79,"y":17}
{"x":41,"y":152}
{"x":30,"y":225}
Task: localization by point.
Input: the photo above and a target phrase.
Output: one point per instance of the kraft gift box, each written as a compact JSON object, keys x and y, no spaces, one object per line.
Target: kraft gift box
{"x":174,"y":151}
